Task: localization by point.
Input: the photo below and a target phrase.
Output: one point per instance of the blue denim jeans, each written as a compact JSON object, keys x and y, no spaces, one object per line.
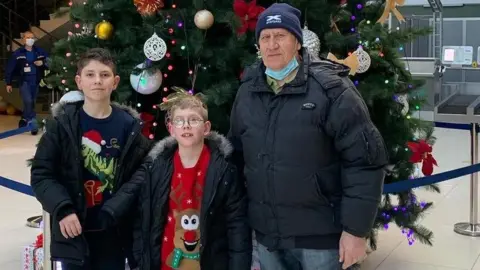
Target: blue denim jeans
{"x":29,"y":92}
{"x":299,"y":259}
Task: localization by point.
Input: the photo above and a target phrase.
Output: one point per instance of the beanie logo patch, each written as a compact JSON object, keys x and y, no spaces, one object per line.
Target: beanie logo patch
{"x":274,"y":19}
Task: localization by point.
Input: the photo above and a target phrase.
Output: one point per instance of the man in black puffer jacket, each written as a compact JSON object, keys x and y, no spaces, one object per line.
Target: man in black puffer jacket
{"x":57,"y":179}
{"x":313,"y":159}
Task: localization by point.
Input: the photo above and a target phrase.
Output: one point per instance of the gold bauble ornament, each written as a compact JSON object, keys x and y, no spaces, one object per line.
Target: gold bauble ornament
{"x":11,"y":110}
{"x":104,"y":30}
{"x":203,"y":19}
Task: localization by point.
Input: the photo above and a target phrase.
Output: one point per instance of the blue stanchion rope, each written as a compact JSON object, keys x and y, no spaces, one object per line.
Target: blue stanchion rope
{"x":8,"y":183}
{"x":396,"y":187}
{"x":453,"y":126}
{"x":405,"y":185}
{"x":13,"y":132}
{"x":16,"y":186}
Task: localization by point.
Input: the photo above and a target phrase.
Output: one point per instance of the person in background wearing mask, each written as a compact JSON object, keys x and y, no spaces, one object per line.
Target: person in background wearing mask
{"x":28,"y":63}
{"x":312,"y":206}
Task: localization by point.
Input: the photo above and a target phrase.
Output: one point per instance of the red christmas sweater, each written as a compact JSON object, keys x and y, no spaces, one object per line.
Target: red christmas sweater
{"x":181,"y":239}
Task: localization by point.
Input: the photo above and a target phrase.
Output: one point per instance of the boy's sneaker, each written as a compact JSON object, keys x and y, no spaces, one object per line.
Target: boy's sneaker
{"x":22,"y":123}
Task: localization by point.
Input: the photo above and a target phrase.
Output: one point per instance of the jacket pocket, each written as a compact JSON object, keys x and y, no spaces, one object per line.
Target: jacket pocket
{"x":375,"y":148}
{"x":73,"y":249}
{"x":319,"y":191}
{"x":138,"y":241}
{"x":335,"y":208}
{"x":253,"y":182}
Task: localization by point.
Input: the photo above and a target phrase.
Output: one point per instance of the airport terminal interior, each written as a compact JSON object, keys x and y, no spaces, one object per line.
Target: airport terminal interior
{"x":447,"y":60}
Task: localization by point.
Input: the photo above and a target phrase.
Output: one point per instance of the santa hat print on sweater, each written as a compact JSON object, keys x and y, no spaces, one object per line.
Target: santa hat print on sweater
{"x":93,"y":140}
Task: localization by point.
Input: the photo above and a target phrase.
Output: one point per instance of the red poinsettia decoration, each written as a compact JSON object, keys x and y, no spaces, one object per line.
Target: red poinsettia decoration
{"x":422,"y":152}
{"x":39,"y":241}
{"x":248,"y":14}
{"x":147,"y":123}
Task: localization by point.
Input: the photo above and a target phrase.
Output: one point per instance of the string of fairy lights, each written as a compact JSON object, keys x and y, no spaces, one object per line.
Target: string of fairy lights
{"x":172,"y":27}
{"x":412,"y":203}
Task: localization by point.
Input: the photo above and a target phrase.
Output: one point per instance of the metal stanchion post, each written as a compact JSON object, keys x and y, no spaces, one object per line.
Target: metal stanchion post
{"x":47,"y":264}
{"x":472,"y":228}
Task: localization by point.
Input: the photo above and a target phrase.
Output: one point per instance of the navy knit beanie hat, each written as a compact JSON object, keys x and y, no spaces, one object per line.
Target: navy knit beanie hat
{"x":280,"y":15}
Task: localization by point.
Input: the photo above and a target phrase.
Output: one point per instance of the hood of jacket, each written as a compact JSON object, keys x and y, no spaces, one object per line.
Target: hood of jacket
{"x":77,"y":96}
{"x":215,"y":141}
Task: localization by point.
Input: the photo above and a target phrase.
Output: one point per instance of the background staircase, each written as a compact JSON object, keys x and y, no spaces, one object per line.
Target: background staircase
{"x":18,"y":16}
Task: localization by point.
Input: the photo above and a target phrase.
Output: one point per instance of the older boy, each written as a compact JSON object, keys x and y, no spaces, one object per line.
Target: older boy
{"x":82,"y":166}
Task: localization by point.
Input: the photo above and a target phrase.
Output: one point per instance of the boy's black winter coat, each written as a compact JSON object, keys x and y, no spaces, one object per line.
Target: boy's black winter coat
{"x":226,"y":242}
{"x":56,"y":179}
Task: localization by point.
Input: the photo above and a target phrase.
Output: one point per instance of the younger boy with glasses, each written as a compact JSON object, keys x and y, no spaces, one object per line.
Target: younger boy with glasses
{"x":192,"y":208}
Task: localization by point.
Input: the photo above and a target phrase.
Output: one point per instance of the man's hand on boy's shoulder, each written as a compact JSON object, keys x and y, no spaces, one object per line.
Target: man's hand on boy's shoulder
{"x":70,"y":226}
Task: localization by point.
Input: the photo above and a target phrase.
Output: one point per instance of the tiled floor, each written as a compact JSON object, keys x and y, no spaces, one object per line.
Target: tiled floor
{"x":450,"y":251}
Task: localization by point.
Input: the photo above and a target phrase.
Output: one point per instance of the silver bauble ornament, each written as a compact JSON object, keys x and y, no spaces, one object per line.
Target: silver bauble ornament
{"x":372,"y":3}
{"x":146,"y":82}
{"x":364,"y":60}
{"x":311,"y":42}
{"x":403,"y":99}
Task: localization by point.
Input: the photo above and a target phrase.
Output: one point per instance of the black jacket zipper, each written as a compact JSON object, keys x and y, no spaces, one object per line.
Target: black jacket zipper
{"x":79,"y":180}
{"x":209,"y":204}
{"x":131,"y":139}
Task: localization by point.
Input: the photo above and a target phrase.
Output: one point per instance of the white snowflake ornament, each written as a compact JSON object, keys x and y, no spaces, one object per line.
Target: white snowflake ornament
{"x":155,"y":48}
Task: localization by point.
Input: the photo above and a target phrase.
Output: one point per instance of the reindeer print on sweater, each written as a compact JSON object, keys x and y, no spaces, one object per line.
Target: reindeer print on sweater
{"x":182,"y":236}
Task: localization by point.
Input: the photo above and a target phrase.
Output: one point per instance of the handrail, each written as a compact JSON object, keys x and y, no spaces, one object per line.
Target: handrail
{"x":25,"y":19}
{"x":11,"y":39}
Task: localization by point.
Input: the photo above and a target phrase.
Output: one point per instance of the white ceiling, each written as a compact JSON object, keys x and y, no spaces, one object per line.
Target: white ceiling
{"x":444,"y":2}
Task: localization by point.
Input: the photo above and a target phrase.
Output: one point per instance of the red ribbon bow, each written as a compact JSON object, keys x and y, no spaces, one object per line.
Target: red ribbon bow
{"x":39,"y":241}
{"x":248,"y":14}
{"x":422,"y":152}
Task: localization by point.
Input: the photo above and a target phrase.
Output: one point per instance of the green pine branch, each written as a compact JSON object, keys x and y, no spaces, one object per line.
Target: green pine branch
{"x":220,"y":54}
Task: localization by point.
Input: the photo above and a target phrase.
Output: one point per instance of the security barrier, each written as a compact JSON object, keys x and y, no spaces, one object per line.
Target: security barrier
{"x":471,"y":228}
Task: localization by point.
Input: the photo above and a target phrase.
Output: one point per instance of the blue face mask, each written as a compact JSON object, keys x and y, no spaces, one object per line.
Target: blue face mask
{"x":284,"y":72}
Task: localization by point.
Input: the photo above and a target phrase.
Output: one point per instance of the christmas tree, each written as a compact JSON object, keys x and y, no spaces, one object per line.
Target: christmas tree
{"x":203,"y":47}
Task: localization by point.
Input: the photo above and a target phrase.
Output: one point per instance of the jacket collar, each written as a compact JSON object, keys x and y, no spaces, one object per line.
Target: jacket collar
{"x":215,"y":141}
{"x":23,"y":50}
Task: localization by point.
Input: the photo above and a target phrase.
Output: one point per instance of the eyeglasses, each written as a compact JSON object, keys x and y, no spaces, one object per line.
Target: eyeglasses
{"x":180,"y":122}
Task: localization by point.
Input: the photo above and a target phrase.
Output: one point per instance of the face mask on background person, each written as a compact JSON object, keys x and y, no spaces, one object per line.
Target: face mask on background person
{"x":30,"y":41}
